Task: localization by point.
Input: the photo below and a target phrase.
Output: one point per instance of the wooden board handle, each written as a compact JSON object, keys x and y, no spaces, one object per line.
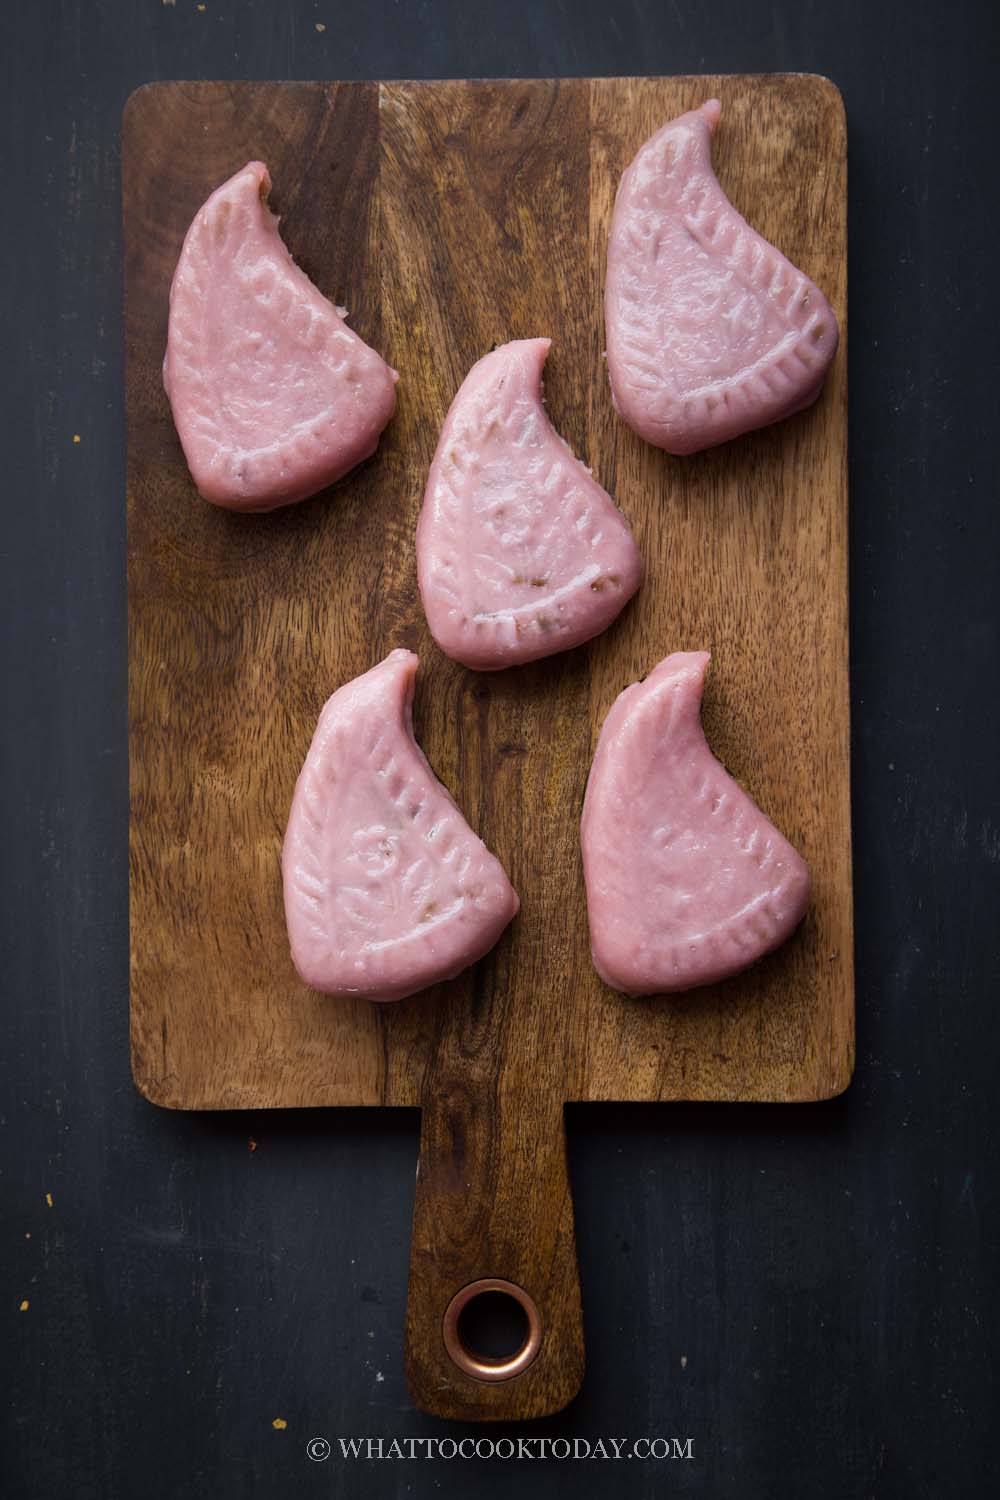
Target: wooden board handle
{"x":492,"y":1206}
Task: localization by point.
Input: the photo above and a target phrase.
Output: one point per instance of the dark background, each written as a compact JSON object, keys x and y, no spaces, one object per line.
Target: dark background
{"x":805,"y":1291}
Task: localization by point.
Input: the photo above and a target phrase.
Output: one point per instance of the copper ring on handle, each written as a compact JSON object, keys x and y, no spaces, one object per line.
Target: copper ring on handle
{"x":476,"y":1365}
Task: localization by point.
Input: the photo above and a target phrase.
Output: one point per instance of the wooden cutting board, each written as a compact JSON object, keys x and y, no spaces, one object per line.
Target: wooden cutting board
{"x":449,"y":217}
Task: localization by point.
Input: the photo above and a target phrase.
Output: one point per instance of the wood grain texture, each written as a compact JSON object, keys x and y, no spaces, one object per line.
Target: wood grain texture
{"x":449,"y":217}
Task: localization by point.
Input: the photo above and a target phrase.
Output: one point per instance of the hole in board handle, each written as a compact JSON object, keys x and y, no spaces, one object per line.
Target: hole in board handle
{"x":457,"y":1330}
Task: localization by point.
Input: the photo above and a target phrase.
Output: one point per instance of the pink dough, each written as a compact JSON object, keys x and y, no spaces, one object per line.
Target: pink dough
{"x":520,"y":552}
{"x":687,"y":881}
{"x":273,"y":396}
{"x":710,"y":331}
{"x":387,"y":889}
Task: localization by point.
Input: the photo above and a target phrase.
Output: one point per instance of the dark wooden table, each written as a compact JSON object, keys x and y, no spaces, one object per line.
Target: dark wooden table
{"x":803,"y":1291}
